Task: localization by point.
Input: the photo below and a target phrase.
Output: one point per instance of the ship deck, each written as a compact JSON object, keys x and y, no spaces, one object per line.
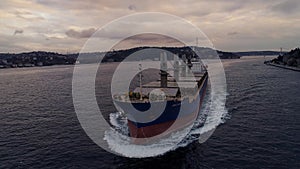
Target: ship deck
{"x":186,"y":86}
{"x":183,"y":82}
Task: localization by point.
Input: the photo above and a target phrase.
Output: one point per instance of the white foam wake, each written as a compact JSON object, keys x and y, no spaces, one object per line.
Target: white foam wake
{"x":209,"y":118}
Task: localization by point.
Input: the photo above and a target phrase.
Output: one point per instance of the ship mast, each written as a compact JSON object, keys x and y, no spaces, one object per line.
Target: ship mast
{"x":140,"y":69}
{"x":163,"y":70}
{"x":183,"y":66}
{"x":176,"y":67}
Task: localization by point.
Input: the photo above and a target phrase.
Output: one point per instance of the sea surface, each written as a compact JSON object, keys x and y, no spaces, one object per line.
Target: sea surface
{"x":39,"y":127}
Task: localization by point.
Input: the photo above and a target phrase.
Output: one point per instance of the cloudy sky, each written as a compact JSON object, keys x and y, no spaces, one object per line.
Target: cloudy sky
{"x":65,"y":25}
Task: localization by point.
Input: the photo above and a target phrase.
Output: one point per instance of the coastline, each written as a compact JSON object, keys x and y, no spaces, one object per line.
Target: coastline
{"x":282,"y":66}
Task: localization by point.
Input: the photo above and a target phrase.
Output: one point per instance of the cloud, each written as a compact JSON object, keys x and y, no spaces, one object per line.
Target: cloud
{"x":153,"y":39}
{"x":232,"y":33}
{"x":231,"y":25}
{"x":18,"y":31}
{"x":24,"y":14}
{"x":287,"y":7}
{"x":132,"y":7}
{"x":80,"y":34}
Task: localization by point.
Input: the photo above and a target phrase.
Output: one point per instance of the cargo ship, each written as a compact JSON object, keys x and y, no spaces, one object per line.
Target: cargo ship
{"x":180,"y":89}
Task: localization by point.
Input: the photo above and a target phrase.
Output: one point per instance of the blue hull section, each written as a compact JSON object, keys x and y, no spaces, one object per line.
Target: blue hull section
{"x":172,"y":109}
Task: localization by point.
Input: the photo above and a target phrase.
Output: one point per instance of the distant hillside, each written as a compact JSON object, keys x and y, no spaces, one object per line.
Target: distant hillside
{"x":228,"y":55}
{"x":37,"y":58}
{"x":41,"y":58}
{"x":257,"y":53}
{"x":120,"y":55}
{"x":291,"y":58}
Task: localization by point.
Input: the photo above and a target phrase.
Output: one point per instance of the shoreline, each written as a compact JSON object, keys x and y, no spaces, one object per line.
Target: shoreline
{"x":282,"y":66}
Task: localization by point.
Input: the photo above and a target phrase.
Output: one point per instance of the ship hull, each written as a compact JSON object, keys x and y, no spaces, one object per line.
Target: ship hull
{"x":147,"y":130}
{"x":183,"y":112}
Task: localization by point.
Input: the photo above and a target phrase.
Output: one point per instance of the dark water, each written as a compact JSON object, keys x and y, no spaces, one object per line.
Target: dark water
{"x":39,"y":128}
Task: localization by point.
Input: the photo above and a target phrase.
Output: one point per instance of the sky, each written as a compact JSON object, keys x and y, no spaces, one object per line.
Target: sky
{"x":65,"y":25}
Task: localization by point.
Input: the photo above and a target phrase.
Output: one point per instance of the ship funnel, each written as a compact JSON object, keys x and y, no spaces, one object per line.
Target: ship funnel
{"x":163,"y":70}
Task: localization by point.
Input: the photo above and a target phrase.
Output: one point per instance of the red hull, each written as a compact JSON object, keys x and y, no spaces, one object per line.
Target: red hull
{"x":153,"y":130}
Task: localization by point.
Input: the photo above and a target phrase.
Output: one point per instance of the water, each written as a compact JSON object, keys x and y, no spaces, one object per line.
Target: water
{"x":39,"y":128}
